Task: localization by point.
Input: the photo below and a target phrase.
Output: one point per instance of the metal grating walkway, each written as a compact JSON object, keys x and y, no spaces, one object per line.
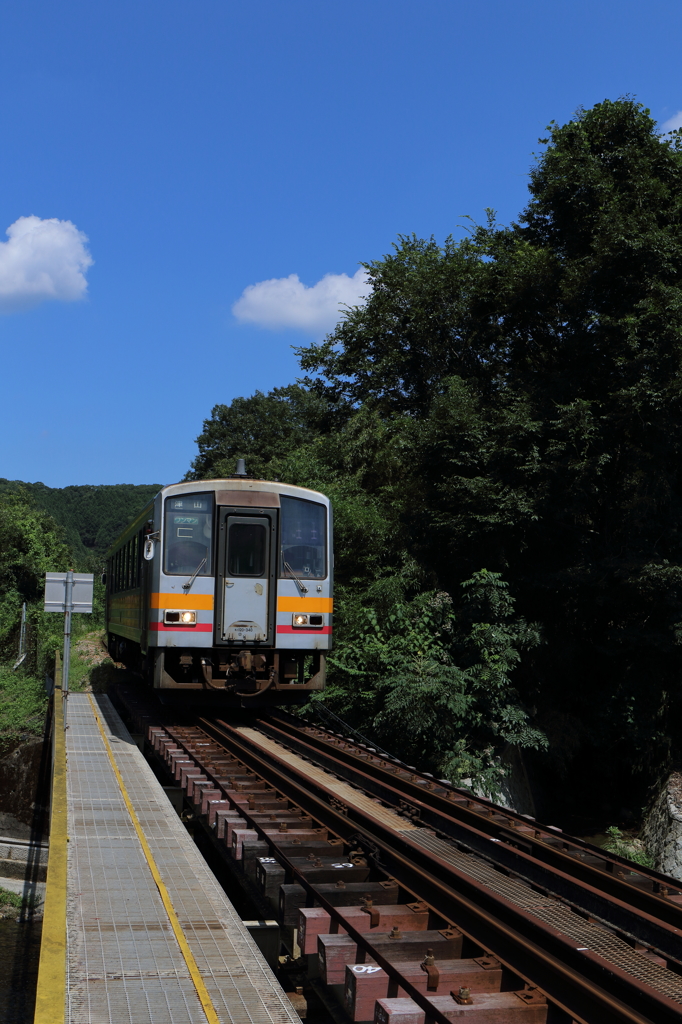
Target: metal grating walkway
{"x":551,"y":911}
{"x":124,"y":963}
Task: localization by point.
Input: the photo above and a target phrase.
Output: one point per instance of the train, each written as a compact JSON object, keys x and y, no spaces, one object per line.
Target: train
{"x":225,"y":587}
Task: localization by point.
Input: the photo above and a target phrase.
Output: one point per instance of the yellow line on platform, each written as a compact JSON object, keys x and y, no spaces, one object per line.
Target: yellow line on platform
{"x":51,"y":994}
{"x":192,"y":967}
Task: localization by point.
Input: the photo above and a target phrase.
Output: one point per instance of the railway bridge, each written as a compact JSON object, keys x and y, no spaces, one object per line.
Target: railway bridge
{"x":367,"y":891}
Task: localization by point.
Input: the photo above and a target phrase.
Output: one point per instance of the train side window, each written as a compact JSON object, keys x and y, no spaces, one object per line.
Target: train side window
{"x":188,"y":533}
{"x":246,"y":546}
{"x":304,"y":538}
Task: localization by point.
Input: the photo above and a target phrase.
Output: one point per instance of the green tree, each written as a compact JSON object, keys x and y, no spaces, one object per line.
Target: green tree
{"x":261,"y":429}
{"x":31,"y":544}
{"x":435,"y":683}
{"x":539,"y":367}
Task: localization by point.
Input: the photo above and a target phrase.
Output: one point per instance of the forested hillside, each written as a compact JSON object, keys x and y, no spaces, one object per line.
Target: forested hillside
{"x":91,"y":516}
{"x":45,"y":529}
{"x":500,"y":429}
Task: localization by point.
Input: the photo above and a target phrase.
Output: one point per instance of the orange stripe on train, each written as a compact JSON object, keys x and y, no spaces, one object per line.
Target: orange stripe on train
{"x":197,"y":602}
{"x":305,"y":604}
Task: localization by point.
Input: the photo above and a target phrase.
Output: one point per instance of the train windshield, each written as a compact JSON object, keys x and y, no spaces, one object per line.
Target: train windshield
{"x":187,"y":535}
{"x":304,"y":539}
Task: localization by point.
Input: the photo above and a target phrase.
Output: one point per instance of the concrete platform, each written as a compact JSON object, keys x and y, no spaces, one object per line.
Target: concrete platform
{"x":129,"y":954}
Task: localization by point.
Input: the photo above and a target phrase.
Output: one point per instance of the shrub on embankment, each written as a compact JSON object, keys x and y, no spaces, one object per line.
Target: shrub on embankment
{"x":23,"y":704}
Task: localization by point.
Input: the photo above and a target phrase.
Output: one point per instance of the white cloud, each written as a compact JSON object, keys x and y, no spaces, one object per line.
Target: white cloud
{"x":672,"y":123}
{"x":287,"y":302}
{"x":43,"y":259}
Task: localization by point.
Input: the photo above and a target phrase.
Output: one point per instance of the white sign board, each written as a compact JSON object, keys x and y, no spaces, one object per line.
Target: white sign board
{"x":55,"y":592}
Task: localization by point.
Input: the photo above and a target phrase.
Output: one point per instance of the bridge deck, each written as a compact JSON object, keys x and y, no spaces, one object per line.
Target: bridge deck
{"x":151,"y":937}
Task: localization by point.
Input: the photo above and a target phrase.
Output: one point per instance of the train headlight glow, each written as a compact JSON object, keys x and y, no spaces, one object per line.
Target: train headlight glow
{"x":175,"y":617}
{"x":302,"y":619}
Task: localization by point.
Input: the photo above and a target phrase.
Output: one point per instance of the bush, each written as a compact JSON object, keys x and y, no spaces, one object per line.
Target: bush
{"x":626,"y":846}
{"x":23,"y":705}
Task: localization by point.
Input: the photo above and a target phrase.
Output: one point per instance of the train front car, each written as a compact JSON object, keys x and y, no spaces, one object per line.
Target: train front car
{"x":225,"y":586}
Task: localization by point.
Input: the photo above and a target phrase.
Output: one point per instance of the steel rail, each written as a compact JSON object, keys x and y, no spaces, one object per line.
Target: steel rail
{"x":619,"y":905}
{"x":578,"y":981}
{"x":603,"y":878}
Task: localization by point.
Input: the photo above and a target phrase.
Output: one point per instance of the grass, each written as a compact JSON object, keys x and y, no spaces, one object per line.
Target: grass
{"x":13,"y":901}
{"x":91,"y":667}
{"x":23,"y":704}
{"x":23,"y":699}
{"x":10,"y":899}
{"x":627,"y":846}
{"x":79,"y":672}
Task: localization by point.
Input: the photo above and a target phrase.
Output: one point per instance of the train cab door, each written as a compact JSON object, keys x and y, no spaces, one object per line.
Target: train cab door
{"x":247,"y":577}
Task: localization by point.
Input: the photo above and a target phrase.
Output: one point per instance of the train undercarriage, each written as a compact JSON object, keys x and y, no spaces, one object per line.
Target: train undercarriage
{"x":287,"y":677}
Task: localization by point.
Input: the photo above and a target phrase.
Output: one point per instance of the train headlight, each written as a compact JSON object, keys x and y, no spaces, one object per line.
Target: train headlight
{"x":301,"y":619}
{"x":175,"y":617}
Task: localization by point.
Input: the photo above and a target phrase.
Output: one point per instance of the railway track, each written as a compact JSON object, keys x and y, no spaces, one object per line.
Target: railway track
{"x":523,"y":923}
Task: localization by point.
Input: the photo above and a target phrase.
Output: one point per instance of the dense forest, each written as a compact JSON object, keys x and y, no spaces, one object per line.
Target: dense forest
{"x":91,"y":516}
{"x":48,"y":529}
{"x":499,"y":426}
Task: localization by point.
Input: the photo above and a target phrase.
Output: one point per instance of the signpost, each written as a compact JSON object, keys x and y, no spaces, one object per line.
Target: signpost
{"x":68,"y":592}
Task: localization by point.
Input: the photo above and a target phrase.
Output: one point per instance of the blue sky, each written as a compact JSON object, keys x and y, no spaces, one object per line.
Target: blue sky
{"x":174,"y":154}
